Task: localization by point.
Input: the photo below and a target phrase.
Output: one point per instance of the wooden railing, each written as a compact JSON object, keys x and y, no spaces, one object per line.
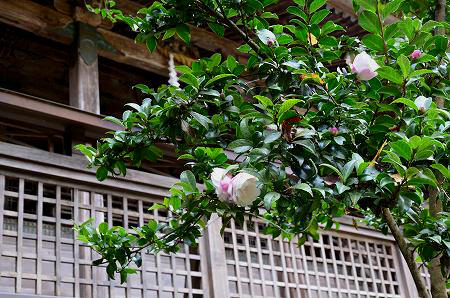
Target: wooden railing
{"x":43,"y":194}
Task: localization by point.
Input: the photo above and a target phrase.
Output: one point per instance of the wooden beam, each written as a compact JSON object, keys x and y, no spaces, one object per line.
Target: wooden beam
{"x":83,"y":76}
{"x":50,"y":111}
{"x":49,"y":23}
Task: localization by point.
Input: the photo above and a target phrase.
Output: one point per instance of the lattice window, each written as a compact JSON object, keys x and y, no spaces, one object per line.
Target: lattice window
{"x":52,"y":263}
{"x":338,"y":265}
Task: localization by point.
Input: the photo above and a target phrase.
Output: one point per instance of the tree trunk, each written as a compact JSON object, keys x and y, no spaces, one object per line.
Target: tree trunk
{"x":438,"y":281}
{"x":407,"y":253}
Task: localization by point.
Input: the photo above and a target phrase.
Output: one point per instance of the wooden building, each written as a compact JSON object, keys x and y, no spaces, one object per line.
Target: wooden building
{"x":60,"y":69}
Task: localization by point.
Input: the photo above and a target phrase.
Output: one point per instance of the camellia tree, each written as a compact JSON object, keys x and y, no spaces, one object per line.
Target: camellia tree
{"x":286,"y":136}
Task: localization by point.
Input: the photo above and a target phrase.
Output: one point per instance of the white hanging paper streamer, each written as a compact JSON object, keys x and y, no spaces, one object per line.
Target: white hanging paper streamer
{"x":173,"y":78}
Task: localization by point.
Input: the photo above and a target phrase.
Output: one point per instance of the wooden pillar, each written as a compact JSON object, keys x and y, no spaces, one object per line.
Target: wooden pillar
{"x":83,"y":76}
{"x":218,"y":276}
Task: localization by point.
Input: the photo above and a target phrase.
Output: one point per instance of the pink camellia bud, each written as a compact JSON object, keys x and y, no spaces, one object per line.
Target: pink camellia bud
{"x":240,"y":190}
{"x":364,"y":66}
{"x":334,"y":130}
{"x":222,"y":183}
{"x":416,"y":54}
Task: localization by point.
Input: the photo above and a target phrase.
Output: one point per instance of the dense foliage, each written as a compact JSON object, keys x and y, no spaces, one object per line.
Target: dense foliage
{"x":367,"y":139}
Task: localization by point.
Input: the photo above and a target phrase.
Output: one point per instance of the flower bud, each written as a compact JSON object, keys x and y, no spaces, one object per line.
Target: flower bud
{"x":334,"y":130}
{"x":416,"y":54}
{"x":364,"y":66}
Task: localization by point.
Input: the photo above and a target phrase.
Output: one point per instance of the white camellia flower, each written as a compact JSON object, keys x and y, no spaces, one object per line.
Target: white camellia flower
{"x":364,"y":66}
{"x":244,"y":189}
{"x":222,"y":182}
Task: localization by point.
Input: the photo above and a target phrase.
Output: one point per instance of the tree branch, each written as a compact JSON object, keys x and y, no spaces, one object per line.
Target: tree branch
{"x":407,"y":253}
{"x":232,"y":25}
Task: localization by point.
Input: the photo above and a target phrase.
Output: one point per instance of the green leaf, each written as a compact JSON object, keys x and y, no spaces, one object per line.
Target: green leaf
{"x":266,"y":102}
{"x":305,"y":187}
{"x":103,"y":228}
{"x":151,"y":43}
{"x":219,"y":77}
{"x":287,"y":105}
{"x":272,"y":136}
{"x":368,"y":4}
{"x":270,"y":198}
{"x":404,"y":64}
{"x":217,"y":28}
{"x":184,"y":32}
{"x":407,"y":102}
{"x":231,"y":63}
{"x":348,"y":169}
{"x":189,"y":178}
{"x":169,"y":33}
{"x":369,"y":21}
{"x":391,"y":7}
{"x":203,"y":120}
{"x":374,"y":42}
{"x":101,"y":173}
{"x":298,"y":12}
{"x":156,"y":206}
{"x":319,"y":16}
{"x":285,"y":39}
{"x":300,"y":3}
{"x":152,"y":224}
{"x":341,"y":187}
{"x":334,"y":169}
{"x":240,"y":145}
{"x":316,"y":4}
{"x":444,"y":171}
{"x":390,"y":74}
{"x":189,"y":79}
{"x":402,"y":148}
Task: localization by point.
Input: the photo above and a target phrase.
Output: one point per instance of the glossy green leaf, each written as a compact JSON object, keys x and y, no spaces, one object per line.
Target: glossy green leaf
{"x":370,"y":22}
{"x":402,"y":148}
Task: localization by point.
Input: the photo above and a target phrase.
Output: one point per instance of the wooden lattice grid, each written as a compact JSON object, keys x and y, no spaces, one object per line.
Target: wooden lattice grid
{"x":53,"y":263}
{"x":338,"y":265}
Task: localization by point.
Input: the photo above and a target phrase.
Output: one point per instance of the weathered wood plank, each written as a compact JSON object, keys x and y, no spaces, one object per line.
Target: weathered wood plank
{"x":59,"y":27}
{"x":83,"y":75}
{"x":74,"y":168}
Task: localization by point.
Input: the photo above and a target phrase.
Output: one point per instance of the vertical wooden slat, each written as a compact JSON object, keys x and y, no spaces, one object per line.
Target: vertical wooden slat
{"x":261,"y":263}
{"x":294,"y":267}
{"x":110,"y":223}
{"x":215,"y":250}
{"x":158,"y":261}
{"x":58,"y":241}
{"x":2,"y":203}
{"x":76,"y":217}
{"x":272,"y":265}
{"x":306,"y":270}
{"x":325,"y":264}
{"x":39,"y":238}
{"x":20,"y":235}
{"x":236,"y":257}
{"x":249,"y":261}
{"x":126,"y":226}
{"x":283,"y":266}
{"x":143,"y":277}
{"x":333,"y":257}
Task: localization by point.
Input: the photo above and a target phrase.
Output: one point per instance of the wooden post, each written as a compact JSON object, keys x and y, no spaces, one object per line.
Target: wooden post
{"x":83,"y":77}
{"x":218,"y":282}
